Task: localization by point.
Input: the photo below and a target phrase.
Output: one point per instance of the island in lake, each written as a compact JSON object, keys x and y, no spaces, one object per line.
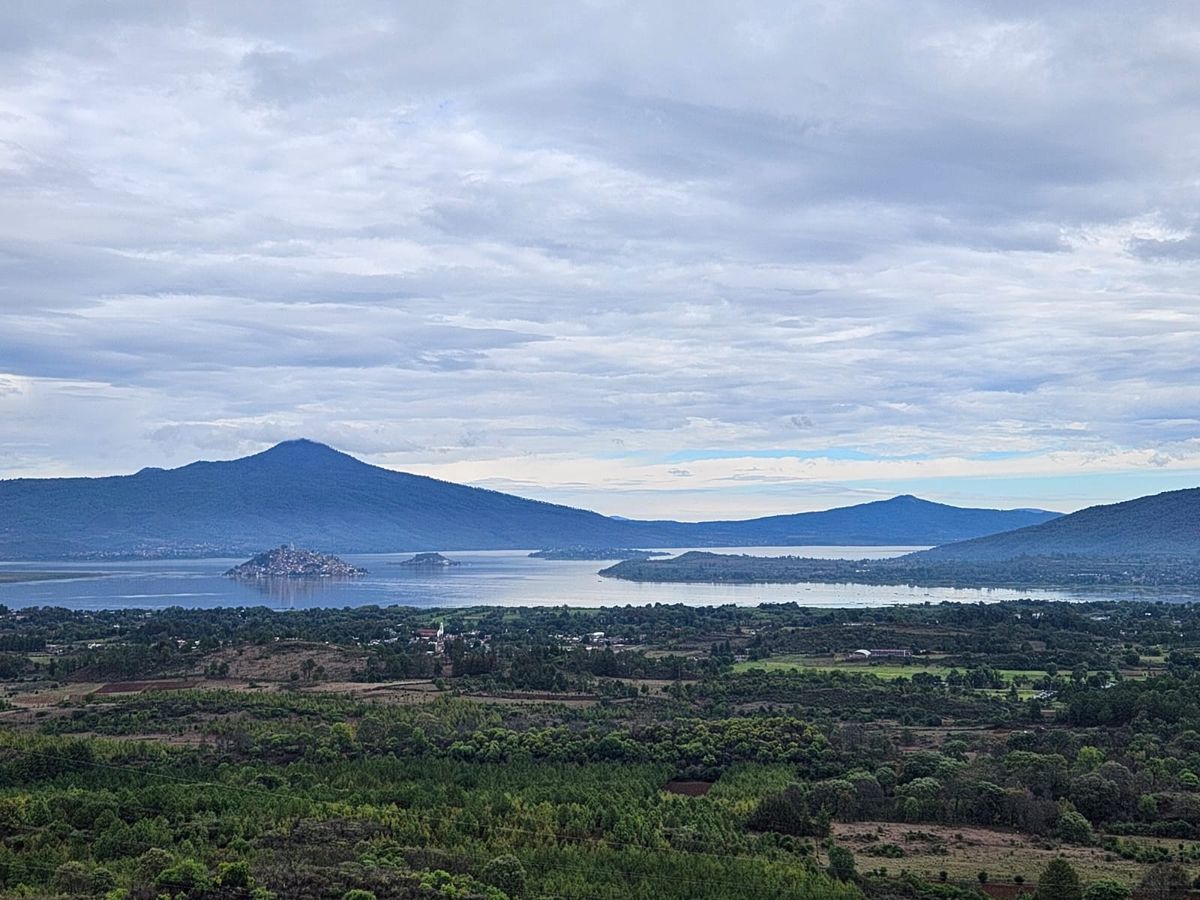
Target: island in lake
{"x":290,"y":562}
{"x":595,"y":553}
{"x":429,"y":561}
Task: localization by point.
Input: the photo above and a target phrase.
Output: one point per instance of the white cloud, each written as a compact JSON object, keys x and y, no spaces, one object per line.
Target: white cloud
{"x":530,"y":248}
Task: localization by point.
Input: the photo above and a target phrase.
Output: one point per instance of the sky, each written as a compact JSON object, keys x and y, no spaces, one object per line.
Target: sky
{"x":656,"y":259}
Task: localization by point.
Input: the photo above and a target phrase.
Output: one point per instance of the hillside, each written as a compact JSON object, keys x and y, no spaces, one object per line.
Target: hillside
{"x":311,"y":495}
{"x":1159,"y":525}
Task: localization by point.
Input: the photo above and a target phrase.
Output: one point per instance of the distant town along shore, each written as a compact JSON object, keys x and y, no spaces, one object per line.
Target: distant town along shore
{"x":595,"y":553}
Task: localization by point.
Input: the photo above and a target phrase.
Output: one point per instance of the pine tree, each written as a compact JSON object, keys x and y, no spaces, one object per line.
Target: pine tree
{"x":1059,"y":881}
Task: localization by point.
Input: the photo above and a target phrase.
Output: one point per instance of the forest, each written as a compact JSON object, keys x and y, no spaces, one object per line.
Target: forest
{"x":1027,"y":748}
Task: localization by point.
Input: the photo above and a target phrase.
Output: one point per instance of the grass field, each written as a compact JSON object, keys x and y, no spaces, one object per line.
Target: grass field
{"x":887,"y":671}
{"x":964,"y":851}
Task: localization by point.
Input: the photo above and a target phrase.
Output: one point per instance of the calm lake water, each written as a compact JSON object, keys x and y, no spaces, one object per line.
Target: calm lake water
{"x":497,"y":578}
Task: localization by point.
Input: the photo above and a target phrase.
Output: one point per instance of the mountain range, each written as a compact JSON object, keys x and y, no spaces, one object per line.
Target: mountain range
{"x":311,"y":495}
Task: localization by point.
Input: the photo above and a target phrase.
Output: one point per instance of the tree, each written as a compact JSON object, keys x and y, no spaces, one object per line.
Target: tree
{"x":150,"y":864}
{"x":1074,"y":828}
{"x":1107,"y":889}
{"x":236,"y":876}
{"x":358,"y":894}
{"x":73,"y":878}
{"x":1089,"y":758}
{"x":1164,"y":881}
{"x":788,"y":812}
{"x":1059,"y":881}
{"x":103,"y":880}
{"x":187,"y":875}
{"x":1095,"y":796}
{"x":834,"y":795}
{"x":841,"y":863}
{"x":506,"y":873}
{"x":927,"y":792}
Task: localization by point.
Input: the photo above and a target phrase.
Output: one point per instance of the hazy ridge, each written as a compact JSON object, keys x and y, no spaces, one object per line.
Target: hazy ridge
{"x":312,"y":495}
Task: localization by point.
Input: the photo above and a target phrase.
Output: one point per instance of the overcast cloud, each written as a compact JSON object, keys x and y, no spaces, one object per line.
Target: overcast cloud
{"x":694,"y":259}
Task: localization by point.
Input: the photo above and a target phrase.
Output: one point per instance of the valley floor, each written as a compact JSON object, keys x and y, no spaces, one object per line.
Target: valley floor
{"x":654,"y":751}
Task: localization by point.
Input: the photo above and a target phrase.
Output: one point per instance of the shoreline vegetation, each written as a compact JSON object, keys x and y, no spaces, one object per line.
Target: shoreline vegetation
{"x":20,"y":577}
{"x":915,"y":570}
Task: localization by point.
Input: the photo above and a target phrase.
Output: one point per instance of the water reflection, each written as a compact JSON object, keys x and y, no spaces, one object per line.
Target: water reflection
{"x":289,"y":593}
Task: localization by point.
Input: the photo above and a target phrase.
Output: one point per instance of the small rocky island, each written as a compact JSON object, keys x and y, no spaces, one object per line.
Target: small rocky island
{"x":290,"y":562}
{"x":596,"y":553}
{"x":429,"y":561}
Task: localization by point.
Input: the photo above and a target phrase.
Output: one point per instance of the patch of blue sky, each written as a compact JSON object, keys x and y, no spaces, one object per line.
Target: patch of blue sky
{"x":835,"y":453}
{"x":1066,"y":492}
{"x":826,"y":453}
{"x":839,"y":453}
{"x":990,"y":455}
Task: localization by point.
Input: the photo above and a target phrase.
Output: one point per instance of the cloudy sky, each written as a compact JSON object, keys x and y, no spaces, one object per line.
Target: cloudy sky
{"x":688,"y":259}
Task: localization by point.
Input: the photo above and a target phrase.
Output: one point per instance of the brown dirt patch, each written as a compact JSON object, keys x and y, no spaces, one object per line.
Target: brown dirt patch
{"x":136,"y":687}
{"x":397,"y":692}
{"x":581,"y":701}
{"x":36,"y":696}
{"x":687,"y":788}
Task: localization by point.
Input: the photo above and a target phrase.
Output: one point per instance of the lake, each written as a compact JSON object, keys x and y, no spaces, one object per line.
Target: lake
{"x":496,"y":578}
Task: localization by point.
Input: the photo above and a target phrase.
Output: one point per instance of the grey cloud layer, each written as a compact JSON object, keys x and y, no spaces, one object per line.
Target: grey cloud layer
{"x":472,"y":234}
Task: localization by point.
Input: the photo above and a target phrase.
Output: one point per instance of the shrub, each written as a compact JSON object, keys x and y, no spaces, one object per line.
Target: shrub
{"x":1107,"y":889}
{"x":1164,"y":881}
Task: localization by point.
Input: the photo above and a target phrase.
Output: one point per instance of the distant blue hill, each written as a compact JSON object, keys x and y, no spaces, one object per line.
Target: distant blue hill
{"x":311,"y":495}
